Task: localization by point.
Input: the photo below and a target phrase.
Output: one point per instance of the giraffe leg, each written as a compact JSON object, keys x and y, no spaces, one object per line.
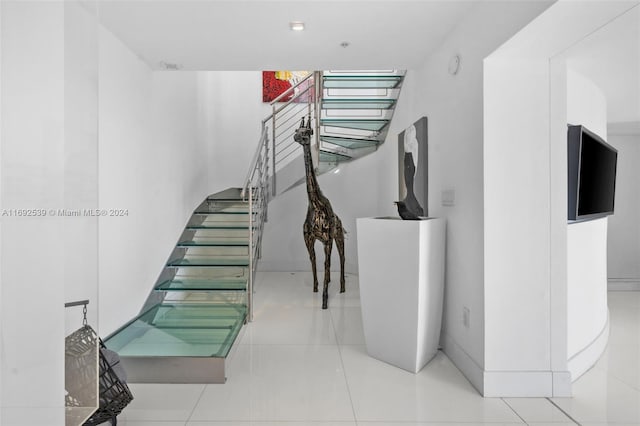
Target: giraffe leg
{"x":327,"y":272}
{"x":309,"y":241}
{"x":339,"y":237}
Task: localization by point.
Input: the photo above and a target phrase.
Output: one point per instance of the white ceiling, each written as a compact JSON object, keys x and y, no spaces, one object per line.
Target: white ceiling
{"x":610,"y":57}
{"x":383,"y":34}
{"x":255,"y":35}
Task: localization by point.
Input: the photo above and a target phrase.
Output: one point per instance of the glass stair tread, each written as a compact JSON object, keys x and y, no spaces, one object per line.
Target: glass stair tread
{"x":223,"y":212}
{"x":210,"y":261}
{"x":352,"y":143}
{"x":215,"y":242}
{"x":361,"y":124}
{"x":180,"y":330}
{"x":333,"y":157}
{"x":230,"y":194}
{"x":220,"y":225}
{"x":193,"y":284}
{"x":358,"y":103}
{"x":362,"y":81}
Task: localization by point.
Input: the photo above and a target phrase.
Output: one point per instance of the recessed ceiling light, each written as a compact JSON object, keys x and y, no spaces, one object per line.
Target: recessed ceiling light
{"x":296,"y":25}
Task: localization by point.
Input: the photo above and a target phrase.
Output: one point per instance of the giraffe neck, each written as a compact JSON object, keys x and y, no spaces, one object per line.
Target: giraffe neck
{"x":313,"y":189}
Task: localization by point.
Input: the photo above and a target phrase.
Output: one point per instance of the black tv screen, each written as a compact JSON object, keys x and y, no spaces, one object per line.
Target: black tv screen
{"x":592,"y":174}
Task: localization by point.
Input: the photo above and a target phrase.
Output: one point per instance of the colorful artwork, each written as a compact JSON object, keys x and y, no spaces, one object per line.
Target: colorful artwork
{"x":274,"y":83}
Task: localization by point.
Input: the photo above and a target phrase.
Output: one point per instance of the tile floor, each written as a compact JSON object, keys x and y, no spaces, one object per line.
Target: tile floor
{"x":296,"y":365}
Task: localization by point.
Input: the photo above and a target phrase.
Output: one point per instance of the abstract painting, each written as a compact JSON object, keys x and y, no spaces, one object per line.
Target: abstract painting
{"x":274,"y":83}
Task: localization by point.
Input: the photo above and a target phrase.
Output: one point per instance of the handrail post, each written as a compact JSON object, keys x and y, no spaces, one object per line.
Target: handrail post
{"x":318,"y":105}
{"x":273,"y":153}
{"x":251,"y":260}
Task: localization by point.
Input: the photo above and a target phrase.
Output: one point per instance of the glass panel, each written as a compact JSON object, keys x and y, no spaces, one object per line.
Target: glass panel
{"x":358,"y":103}
{"x":376,"y":125}
{"x":332,"y":157}
{"x":180,"y":330}
{"x":358,"y":81}
{"x":349,"y":142}
{"x":220,"y":225}
{"x":214,"y":242}
{"x":210,"y":261}
{"x":226,"y":207}
{"x":178,"y":284}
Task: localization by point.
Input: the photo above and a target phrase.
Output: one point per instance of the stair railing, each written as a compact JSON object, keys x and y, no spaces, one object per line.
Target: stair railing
{"x":275,"y":149}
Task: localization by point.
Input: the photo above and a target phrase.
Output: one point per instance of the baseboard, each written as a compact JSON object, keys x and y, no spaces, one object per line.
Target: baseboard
{"x":463,"y":361}
{"x":518,"y":384}
{"x":532,"y":384}
{"x":623,"y":284}
{"x":581,"y":362}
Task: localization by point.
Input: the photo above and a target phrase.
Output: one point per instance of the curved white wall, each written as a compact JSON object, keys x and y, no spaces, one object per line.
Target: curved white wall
{"x":587,"y":312}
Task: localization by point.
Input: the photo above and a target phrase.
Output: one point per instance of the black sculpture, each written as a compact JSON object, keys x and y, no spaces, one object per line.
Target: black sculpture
{"x":321,"y":222}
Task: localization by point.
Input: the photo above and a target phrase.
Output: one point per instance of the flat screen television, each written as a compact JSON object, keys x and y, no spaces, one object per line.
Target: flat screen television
{"x":592,"y":174}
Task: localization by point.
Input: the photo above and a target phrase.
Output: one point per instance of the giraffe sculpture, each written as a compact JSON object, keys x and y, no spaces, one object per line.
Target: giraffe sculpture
{"x":321,"y":222}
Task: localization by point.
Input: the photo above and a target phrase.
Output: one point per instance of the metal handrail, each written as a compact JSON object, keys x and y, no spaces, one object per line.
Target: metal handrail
{"x":275,"y":145}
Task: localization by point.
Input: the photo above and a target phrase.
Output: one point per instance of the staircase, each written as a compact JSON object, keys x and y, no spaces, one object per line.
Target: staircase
{"x":203,"y":297}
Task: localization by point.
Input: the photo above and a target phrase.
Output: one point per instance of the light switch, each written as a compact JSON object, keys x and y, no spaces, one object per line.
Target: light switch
{"x":449,"y":197}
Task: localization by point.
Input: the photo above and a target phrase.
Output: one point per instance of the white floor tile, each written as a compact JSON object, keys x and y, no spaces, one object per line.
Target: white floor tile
{"x":628,"y":299}
{"x":439,"y":424}
{"x":280,"y":383}
{"x":312,"y":423}
{"x":608,"y":424}
{"x":599,"y":397}
{"x":537,"y":410}
{"x":289,"y":370}
{"x":439,"y":393}
{"x":284,"y":289}
{"x":552,"y":424}
{"x":161,"y":402}
{"x":347,"y":322}
{"x":290,"y":325}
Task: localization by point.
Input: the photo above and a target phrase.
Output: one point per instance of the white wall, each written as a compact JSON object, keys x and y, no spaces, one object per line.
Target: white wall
{"x":526,"y":234}
{"x":152,"y":163}
{"x":624,"y":226}
{"x":454,"y":105}
{"x":80,"y":162}
{"x":587,"y":312}
{"x":32,"y":177}
{"x":236,"y":110}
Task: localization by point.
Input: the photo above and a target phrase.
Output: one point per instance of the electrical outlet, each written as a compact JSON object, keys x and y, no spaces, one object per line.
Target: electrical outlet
{"x":466,"y":314}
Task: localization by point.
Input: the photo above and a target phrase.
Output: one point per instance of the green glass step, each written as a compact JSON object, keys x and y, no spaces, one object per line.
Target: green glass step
{"x":214,"y":242}
{"x":361,"y":81}
{"x":193,"y":284}
{"x":231,"y":194}
{"x":168,"y":330}
{"x":358,"y":103}
{"x":352,"y":143}
{"x":360,"y":124}
{"x":210,"y":261}
{"x":220,"y":225}
{"x":333,"y":157}
{"x":223,"y":211}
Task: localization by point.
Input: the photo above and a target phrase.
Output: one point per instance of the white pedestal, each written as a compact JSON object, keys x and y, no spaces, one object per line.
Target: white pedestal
{"x":401,"y":274}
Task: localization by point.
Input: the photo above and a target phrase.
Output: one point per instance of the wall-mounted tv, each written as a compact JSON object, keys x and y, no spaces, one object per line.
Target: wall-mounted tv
{"x":592,"y":174}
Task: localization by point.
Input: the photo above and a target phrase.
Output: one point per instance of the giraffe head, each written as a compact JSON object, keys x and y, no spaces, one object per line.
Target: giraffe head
{"x":303,"y":133}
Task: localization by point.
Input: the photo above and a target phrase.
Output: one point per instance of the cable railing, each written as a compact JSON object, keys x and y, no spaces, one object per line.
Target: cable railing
{"x":276,"y":148}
